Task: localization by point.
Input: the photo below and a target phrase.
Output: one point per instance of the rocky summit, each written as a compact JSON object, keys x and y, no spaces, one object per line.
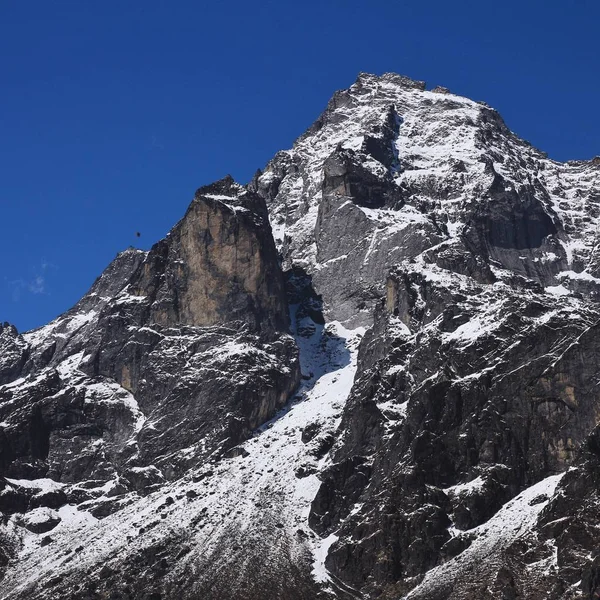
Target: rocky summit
{"x":372,"y":372}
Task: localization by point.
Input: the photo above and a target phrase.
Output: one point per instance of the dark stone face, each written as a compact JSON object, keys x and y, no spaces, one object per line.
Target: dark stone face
{"x":13,"y":353}
{"x":512,"y":220}
{"x":524,"y":228}
{"x":471,"y":414}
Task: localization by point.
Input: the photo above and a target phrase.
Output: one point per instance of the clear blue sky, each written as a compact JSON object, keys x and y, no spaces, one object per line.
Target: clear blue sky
{"x":112,"y":113}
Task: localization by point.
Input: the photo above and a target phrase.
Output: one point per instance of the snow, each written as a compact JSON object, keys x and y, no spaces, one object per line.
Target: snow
{"x":222,"y":197}
{"x":557,"y":290}
{"x":14,"y":384}
{"x":69,"y":365}
{"x":488,"y":319}
{"x":395,"y":219}
{"x":546,"y":317}
{"x":43,"y":485}
{"x":110,"y":392}
{"x":398,"y":328}
{"x":63,"y":327}
{"x":470,"y":331}
{"x":392,"y":409}
{"x":73,"y":518}
{"x":226,"y":201}
{"x":455,"y":228}
{"x":37,"y":516}
{"x":100,"y":390}
{"x":571,"y":247}
{"x":126,"y":298}
{"x":581,"y":276}
{"x":231,"y":349}
{"x":467,"y":489}
{"x":320,"y":552}
{"x":278,"y":229}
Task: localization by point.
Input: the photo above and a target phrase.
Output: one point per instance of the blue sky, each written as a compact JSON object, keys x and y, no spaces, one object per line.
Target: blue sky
{"x":112,"y":113}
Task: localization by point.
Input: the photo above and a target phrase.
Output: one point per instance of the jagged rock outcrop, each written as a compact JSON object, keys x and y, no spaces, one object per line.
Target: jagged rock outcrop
{"x":13,"y":353}
{"x":172,"y":356}
{"x":406,"y":407}
{"x":217,"y":265}
{"x":454,"y":412}
{"x":405,"y":169}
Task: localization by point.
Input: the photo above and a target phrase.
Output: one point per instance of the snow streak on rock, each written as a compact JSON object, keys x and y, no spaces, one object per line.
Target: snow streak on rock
{"x":514,"y":519}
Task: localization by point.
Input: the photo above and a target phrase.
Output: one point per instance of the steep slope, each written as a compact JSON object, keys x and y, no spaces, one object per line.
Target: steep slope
{"x":479,"y":378}
{"x":230,"y":528}
{"x":174,"y":356}
{"x":466,"y":394}
{"x":204,"y":424}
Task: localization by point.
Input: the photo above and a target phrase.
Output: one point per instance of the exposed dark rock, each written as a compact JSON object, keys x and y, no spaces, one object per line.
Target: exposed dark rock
{"x":13,"y":353}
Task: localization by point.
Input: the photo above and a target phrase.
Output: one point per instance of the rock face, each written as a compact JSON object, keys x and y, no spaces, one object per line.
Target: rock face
{"x":390,"y":170}
{"x":218,"y":265}
{"x":172,"y":356}
{"x":370,"y":373}
{"x":453,"y":413}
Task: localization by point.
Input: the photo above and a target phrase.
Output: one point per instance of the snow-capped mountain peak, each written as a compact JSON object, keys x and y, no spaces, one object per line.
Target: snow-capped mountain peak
{"x":370,"y":373}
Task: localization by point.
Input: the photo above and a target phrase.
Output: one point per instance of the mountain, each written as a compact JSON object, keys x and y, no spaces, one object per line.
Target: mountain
{"x":372,"y":372}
